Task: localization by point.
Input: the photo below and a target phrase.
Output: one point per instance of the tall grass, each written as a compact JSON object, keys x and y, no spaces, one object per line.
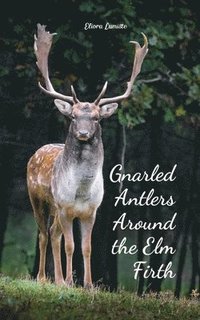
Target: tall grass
{"x":27,"y":300}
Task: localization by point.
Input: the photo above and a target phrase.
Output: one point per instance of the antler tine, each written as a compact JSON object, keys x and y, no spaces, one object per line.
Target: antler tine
{"x":42,"y":46}
{"x":101,"y":93}
{"x":74,"y":95}
{"x":140,"y":53}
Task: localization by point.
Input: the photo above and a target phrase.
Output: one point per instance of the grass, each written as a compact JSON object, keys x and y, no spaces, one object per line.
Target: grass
{"x":24,"y":299}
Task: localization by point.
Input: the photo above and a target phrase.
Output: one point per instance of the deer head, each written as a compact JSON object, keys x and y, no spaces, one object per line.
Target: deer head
{"x":85,"y":115}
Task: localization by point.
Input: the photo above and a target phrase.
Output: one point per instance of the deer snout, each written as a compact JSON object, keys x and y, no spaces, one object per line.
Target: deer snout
{"x":83,"y":135}
{"x":83,"y":132}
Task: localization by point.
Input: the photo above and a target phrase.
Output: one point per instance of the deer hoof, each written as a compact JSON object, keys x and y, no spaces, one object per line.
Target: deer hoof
{"x":41,"y":279}
{"x":69,"y":283}
{"x":60,"y":282}
{"x":88,"y":286}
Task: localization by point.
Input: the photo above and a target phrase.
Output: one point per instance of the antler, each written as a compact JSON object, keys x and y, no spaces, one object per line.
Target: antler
{"x":42,"y":46}
{"x":101,"y":93}
{"x":140,"y":53}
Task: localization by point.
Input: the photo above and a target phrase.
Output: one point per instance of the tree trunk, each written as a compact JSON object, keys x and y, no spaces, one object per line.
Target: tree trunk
{"x":195,"y":255}
{"x":190,"y":208}
{"x":183,"y":251}
{"x":5,"y":184}
{"x":140,"y":245}
{"x":153,"y":284}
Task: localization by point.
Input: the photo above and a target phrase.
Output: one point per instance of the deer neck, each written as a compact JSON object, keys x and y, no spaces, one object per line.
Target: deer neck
{"x":83,"y":153}
{"x":77,"y":177}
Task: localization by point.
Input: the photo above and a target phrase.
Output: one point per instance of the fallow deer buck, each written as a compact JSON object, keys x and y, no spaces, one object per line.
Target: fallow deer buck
{"x":67,"y":178}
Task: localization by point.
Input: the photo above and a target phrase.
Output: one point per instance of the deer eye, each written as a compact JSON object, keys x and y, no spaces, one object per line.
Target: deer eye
{"x":73,"y":118}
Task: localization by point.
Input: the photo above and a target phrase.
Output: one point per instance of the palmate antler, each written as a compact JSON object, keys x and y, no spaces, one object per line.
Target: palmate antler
{"x":140,"y":53}
{"x":42,"y":46}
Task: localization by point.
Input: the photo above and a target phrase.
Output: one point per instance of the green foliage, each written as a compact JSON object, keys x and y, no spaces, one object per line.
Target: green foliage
{"x":89,"y":7}
{"x":19,"y":246}
{"x":134,"y":109}
{"x":188,"y":80}
{"x":161,"y":35}
{"x":3,"y":71}
{"x":27,"y":299}
{"x":172,"y":55}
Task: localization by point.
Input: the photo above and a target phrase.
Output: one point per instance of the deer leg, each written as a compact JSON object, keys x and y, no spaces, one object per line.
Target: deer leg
{"x":43,"y":240}
{"x":67,"y":229}
{"x":86,"y":234}
{"x":41,"y":219}
{"x":56,"y":235}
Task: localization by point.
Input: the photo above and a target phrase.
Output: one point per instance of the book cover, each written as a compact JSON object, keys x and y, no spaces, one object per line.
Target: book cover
{"x":125,"y":76}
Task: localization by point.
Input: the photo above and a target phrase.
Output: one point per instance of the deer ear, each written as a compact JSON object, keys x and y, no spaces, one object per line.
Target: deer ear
{"x":108,"y":109}
{"x":63,"y":106}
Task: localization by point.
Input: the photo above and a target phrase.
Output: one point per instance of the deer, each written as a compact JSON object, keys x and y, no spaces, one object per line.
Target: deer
{"x":65,"y":181}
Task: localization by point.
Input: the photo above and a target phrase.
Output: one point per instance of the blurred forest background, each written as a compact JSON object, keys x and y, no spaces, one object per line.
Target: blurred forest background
{"x":158,"y":124}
